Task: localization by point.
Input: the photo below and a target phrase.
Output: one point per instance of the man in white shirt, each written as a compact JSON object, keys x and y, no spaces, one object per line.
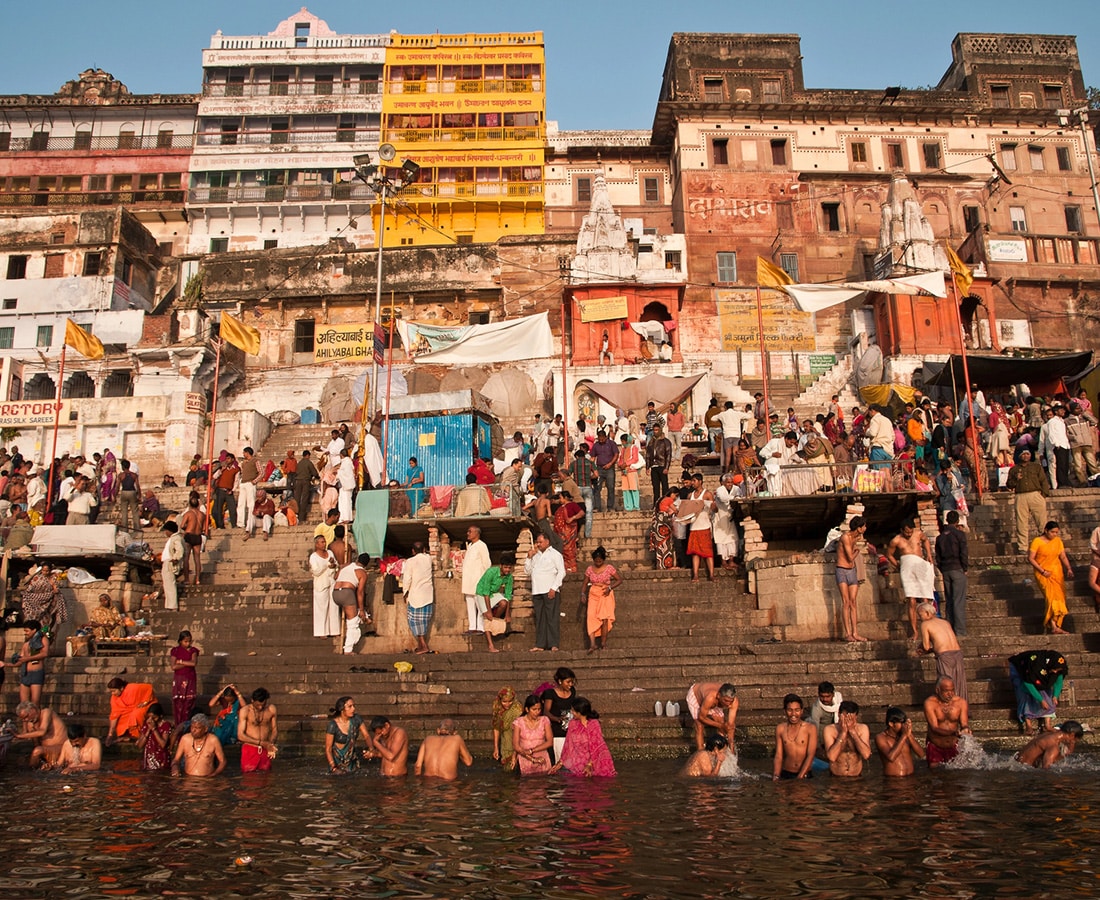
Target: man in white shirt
{"x":36,"y":490}
{"x":731,"y":432}
{"x":80,"y":502}
{"x":345,"y":479}
{"x":171,"y":561}
{"x":419,"y":591}
{"x":546,"y":568}
{"x":880,"y":435}
{"x":475,"y":563}
{"x":1054,"y":447}
{"x":334,"y":447}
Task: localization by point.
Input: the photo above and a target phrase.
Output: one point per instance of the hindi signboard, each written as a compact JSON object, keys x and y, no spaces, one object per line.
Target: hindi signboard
{"x":785,"y":328}
{"x":603,"y":309}
{"x":350,"y":343}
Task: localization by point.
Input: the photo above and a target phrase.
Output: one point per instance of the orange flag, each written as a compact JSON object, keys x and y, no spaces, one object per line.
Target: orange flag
{"x":963,"y":276}
{"x":768,"y":274}
{"x":82,"y":342}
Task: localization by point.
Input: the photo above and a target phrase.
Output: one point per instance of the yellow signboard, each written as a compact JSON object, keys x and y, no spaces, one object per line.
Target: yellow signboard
{"x":603,"y":309}
{"x":785,"y":328}
{"x":25,"y":413}
{"x":350,"y":343}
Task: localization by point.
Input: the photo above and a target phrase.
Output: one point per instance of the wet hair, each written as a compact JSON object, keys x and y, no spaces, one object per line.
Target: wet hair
{"x":183,"y":636}
{"x":338,"y":707}
{"x":727,"y":690}
{"x":76,"y":731}
{"x":532,"y":700}
{"x":261,"y":695}
{"x":563,"y":673}
{"x":363,"y":559}
{"x":793,"y":698}
{"x":155,"y":710}
{"x":584,"y":708}
{"x":849,"y":706}
{"x":856,"y":522}
{"x":599,"y":554}
{"x":716,"y":742}
{"x":377,"y":723}
{"x":826,"y":687}
{"x":116,"y":684}
{"x":895,"y":714}
{"x":1072,"y":727}
{"x":507,"y":558}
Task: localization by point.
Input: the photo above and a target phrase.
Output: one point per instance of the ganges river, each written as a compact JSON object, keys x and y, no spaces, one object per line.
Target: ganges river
{"x":996,"y":830}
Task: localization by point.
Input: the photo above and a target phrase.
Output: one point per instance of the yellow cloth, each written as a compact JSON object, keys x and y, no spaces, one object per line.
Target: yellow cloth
{"x":963,"y":276}
{"x":242,"y":336}
{"x":130,"y":708}
{"x":82,"y":342}
{"x":879,"y":394}
{"x":1049,"y":556}
{"x":768,"y":274}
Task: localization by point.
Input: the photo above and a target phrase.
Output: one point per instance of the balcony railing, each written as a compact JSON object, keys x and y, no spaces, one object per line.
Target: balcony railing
{"x":468,"y":86}
{"x":291,"y":89}
{"x":324,"y":136}
{"x":59,"y":199}
{"x":455,"y":134}
{"x":353,"y":190}
{"x":1042,"y":249}
{"x":115,"y":142}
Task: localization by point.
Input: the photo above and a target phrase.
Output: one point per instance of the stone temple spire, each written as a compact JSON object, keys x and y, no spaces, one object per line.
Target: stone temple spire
{"x":603,"y":249}
{"x":906,"y":232}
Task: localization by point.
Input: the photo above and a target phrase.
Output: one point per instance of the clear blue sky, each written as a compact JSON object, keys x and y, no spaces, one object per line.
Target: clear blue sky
{"x":604,"y":58}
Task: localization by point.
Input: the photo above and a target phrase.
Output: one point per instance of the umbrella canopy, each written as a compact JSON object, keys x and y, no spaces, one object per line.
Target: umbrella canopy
{"x":661,"y":389}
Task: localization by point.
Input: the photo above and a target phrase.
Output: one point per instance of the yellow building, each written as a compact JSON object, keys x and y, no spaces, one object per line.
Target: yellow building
{"x":470,"y":109}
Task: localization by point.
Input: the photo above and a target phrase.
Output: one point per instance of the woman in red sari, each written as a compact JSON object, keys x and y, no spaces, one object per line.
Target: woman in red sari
{"x":565,"y":526}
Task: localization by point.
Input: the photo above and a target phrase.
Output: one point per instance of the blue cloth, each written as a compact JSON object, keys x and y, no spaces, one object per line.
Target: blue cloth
{"x":419,"y":618}
{"x":415,"y":494}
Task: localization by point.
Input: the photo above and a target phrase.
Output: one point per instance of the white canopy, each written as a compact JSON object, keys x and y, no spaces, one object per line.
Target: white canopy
{"x":813,"y":297}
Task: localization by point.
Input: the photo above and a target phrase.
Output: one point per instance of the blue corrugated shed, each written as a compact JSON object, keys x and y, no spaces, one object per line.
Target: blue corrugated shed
{"x":443,"y":444}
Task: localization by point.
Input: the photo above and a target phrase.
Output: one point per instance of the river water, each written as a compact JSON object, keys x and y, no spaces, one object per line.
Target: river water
{"x":995,"y":829}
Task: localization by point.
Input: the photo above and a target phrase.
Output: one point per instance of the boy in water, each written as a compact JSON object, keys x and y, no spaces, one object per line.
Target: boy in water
{"x":795,"y":742}
{"x":708,"y":763}
{"x":896,"y":745}
{"x":847,"y":743}
{"x":1045,"y":750}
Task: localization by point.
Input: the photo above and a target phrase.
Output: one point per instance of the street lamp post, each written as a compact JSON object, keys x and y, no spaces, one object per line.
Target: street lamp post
{"x":383,"y":181}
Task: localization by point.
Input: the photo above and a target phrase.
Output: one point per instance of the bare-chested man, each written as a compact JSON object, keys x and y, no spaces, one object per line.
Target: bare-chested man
{"x":258,"y":730}
{"x":199,"y":753}
{"x":32,"y":661}
{"x":948,"y":716}
{"x":716,"y":705}
{"x":80,"y":753}
{"x":847,"y":743}
{"x":896,"y":745}
{"x":191,"y":526}
{"x":911,"y":554}
{"x":440,"y":752}
{"x":938,"y":637}
{"x":1044,"y":751}
{"x":45,"y":728}
{"x":391,"y":745}
{"x":847,"y":578}
{"x":795,"y":743}
{"x":707,"y":763}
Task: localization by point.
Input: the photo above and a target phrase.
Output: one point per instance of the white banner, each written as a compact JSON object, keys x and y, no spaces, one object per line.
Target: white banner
{"x":514,"y":339}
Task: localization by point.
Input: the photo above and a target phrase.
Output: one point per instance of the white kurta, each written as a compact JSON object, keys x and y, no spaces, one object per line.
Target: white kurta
{"x":326,"y":614}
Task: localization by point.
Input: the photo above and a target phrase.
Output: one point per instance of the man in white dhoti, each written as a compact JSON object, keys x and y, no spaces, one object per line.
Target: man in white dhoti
{"x":776,"y":453}
{"x":725,"y":530}
{"x":372,"y":459}
{"x":911,"y":554}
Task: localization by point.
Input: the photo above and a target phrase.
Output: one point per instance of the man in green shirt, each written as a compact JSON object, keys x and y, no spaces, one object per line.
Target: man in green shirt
{"x":494,"y":592}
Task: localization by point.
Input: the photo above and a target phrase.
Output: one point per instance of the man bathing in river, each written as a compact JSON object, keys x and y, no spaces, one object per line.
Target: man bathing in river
{"x":391,"y":745}
{"x":795,"y":742}
{"x":440,"y":752}
{"x":911,"y":554}
{"x":715,"y":705}
{"x":948,"y":716}
{"x":199,"y":752}
{"x":1044,"y":751}
{"x":847,"y":743}
{"x":938,"y":637}
{"x":896,"y":745}
{"x":257,"y":730}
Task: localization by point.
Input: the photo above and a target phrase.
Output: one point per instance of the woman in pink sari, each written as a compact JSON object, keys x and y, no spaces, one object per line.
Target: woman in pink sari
{"x":566,"y":525}
{"x":108,"y":468}
{"x":585,"y":751}
{"x":330,"y":494}
{"x":532,"y":738}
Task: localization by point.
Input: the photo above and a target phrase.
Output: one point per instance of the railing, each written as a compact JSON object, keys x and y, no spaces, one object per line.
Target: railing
{"x":254,"y":138}
{"x":291,"y":88}
{"x":467,"y":86}
{"x":452,"y":134}
{"x":806,"y":479}
{"x":1042,"y":249}
{"x":290,"y":42}
{"x":89,"y":142}
{"x":278,"y":193}
{"x":88,"y":198}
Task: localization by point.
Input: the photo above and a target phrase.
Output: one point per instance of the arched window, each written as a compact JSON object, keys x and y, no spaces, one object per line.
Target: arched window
{"x":78,"y":386}
{"x":40,"y":387}
{"x":118,"y":384}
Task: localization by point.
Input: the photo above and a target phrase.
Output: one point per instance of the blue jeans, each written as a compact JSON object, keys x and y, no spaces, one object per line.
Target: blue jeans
{"x":606,"y":478}
{"x":586,"y":496}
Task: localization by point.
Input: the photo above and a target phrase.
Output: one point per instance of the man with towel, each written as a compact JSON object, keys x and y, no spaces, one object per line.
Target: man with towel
{"x":911,"y":554}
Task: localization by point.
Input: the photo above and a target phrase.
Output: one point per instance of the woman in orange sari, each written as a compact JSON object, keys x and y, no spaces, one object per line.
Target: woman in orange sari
{"x":129,"y":705}
{"x":1047,"y":556}
{"x":598,"y":591}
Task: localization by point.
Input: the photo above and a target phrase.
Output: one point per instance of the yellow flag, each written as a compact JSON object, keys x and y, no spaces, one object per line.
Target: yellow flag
{"x":768,"y":274}
{"x":963,"y":276}
{"x":82,"y":342}
{"x":240,"y":335}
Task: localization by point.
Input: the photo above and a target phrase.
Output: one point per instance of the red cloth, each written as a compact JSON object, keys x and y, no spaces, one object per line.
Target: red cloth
{"x":700,"y":544}
{"x":254,"y":759}
{"x":938,"y":756}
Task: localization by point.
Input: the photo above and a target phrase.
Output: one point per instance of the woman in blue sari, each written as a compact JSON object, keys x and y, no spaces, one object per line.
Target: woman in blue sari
{"x":414,"y":477}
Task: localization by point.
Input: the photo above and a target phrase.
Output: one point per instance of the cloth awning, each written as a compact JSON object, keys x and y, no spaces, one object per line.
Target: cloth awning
{"x":814,"y":297}
{"x":634,"y":395}
{"x":1005,"y":371}
{"x":508,"y":341}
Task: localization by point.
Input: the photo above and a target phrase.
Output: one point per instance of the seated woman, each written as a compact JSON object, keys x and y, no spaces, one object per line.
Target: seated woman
{"x":585,"y":751}
{"x":129,"y":705}
{"x":105,"y":621}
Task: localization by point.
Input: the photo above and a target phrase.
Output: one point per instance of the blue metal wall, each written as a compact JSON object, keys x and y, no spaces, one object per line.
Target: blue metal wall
{"x":445,"y":461}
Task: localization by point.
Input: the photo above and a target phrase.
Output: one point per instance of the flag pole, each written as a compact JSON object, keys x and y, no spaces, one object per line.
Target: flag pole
{"x":974,"y":446}
{"x":389,"y":385}
{"x":763,"y":356}
{"x":56,"y":425}
{"x":210,"y":443}
{"x":564,"y":385}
